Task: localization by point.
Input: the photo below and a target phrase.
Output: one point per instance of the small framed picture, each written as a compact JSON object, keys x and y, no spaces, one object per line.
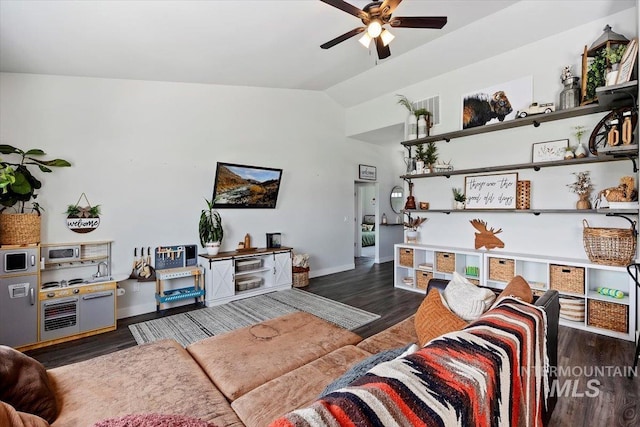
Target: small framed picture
{"x":549,"y":151}
{"x":273,"y":240}
{"x":367,"y":172}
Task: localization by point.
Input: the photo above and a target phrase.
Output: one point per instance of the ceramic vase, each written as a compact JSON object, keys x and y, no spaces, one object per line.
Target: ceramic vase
{"x":412,"y":236}
{"x":212,"y":248}
{"x":580,"y":151}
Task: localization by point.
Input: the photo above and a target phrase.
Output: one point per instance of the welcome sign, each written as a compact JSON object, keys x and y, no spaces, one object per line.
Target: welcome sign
{"x":496,"y":191}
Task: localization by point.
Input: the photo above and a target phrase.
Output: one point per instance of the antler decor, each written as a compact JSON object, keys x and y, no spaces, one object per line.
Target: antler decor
{"x":486,"y":238}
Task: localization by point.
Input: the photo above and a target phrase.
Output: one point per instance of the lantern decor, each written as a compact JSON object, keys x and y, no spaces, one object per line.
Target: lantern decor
{"x":83,"y":219}
{"x":596,"y":63}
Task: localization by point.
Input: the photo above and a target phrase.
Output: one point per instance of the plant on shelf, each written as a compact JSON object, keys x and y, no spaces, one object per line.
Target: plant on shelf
{"x":404,"y":101}
{"x":431,"y":154}
{"x":596,"y":75}
{"x":23,"y":187}
{"x":614,"y":54}
{"x":458,"y":198}
{"x":583,"y":188}
{"x":210,"y":229}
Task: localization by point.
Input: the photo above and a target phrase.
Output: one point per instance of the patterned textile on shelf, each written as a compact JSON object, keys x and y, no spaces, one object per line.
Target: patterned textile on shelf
{"x":491,"y":373}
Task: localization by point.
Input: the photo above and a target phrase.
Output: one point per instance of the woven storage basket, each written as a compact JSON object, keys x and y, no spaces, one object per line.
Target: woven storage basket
{"x":608,"y":315}
{"x":406,"y":257}
{"x":300,"y":277}
{"x":565,"y":278}
{"x":422,"y":278}
{"x":572,"y":309}
{"x":446,"y":262}
{"x":501,"y":269}
{"x":609,"y":246}
{"x":19,"y":229}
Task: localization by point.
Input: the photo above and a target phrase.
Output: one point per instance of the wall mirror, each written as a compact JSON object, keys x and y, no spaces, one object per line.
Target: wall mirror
{"x":397,"y":199}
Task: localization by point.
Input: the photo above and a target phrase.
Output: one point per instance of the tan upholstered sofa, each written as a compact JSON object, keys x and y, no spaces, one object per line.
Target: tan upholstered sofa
{"x":249,"y":376}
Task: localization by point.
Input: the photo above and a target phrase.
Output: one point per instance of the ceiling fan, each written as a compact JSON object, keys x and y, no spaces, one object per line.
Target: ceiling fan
{"x":374,"y":16}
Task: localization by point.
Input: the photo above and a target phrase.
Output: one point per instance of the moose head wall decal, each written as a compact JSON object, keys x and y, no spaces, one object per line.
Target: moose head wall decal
{"x":486,"y":238}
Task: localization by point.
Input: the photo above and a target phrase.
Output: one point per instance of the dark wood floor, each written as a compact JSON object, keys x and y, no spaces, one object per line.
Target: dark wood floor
{"x":595,"y":391}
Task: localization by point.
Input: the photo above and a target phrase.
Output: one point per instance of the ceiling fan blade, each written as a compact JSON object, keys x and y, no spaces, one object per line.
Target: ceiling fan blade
{"x":388,"y":6}
{"x":342,"y":38}
{"x":418,"y":21}
{"x":383,"y":51}
{"x":346,"y":7}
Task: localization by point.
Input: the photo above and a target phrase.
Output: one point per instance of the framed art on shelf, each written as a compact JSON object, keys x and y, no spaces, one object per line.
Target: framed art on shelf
{"x":367,"y":172}
{"x":496,"y":191}
{"x":549,"y":151}
{"x":627,"y":62}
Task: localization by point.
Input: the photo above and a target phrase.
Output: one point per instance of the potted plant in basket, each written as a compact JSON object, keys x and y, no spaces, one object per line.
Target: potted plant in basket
{"x":458,"y":198}
{"x":19,"y":187}
{"x":210,"y":229}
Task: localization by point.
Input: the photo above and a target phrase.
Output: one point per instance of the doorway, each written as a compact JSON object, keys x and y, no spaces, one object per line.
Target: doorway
{"x":365,"y":213}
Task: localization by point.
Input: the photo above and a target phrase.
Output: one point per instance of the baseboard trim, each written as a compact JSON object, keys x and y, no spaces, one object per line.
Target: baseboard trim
{"x":327,"y":271}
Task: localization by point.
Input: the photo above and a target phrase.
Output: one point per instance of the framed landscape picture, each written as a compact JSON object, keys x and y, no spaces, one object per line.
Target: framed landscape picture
{"x":243,"y":186}
{"x":549,"y":151}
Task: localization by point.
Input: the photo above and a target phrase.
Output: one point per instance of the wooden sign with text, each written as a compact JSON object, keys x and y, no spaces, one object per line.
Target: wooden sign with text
{"x":496,"y":191}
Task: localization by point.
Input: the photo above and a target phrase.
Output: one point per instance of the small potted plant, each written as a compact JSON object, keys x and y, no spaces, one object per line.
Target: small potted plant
{"x":210,"y":229}
{"x":579,"y":151}
{"x":430,"y":155}
{"x":458,"y":198}
{"x":613,"y":56}
{"x":19,"y":187}
{"x":412,"y":225}
{"x":582,"y":187}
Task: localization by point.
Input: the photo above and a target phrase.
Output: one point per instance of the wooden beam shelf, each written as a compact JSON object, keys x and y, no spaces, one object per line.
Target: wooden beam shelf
{"x":604,"y":211}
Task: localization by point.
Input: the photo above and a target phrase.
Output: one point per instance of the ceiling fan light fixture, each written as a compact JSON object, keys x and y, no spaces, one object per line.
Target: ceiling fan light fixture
{"x":386,"y":37}
{"x":365,"y":40}
{"x":374,"y":28}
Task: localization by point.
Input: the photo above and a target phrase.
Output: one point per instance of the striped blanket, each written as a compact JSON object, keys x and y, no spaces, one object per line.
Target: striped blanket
{"x":492,"y":373}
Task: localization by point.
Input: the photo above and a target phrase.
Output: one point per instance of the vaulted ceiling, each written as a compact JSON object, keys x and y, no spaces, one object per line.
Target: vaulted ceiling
{"x":269,"y":43}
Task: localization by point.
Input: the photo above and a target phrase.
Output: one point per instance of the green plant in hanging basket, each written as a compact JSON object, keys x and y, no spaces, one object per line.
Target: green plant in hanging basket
{"x":75,"y":211}
{"x":24,"y":184}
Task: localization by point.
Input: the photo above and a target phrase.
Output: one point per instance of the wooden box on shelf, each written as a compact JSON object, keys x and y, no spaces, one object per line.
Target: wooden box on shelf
{"x":501,"y":269}
{"x":608,"y":315}
{"x":406,"y":257}
{"x":565,"y":278}
{"x":446,"y":262}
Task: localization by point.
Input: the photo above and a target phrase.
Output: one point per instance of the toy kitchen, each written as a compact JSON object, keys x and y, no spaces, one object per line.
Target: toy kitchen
{"x":52,"y":293}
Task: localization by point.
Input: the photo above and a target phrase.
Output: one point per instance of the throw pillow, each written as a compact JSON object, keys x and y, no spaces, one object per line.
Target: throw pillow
{"x":434,"y":319}
{"x":466,"y":299}
{"x":153,"y":420}
{"x":24,"y":384}
{"x":10,"y":417}
{"x":361,"y":368}
{"x":518,"y":288}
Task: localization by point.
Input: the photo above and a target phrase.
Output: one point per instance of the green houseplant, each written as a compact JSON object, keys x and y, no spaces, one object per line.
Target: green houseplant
{"x":210,"y":229}
{"x":19,"y":187}
{"x":23,"y":187}
{"x":458,"y":198}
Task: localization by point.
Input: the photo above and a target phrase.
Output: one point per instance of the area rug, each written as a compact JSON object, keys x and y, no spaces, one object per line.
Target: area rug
{"x":192,"y":326}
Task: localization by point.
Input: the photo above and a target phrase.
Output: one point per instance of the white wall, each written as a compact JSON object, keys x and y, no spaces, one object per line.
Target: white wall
{"x":558,"y":235}
{"x":147,"y":152}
